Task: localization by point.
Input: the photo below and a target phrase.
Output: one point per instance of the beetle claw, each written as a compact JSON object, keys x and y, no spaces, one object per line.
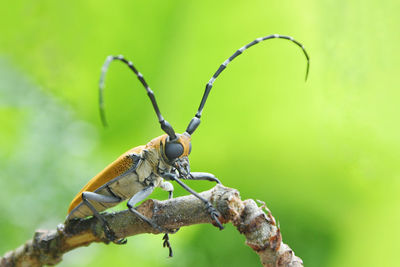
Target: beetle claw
{"x":110,"y":236}
{"x":214,"y":215}
{"x":167,"y":244}
{"x":121,"y":241}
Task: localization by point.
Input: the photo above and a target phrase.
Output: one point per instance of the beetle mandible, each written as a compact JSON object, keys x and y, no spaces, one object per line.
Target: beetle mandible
{"x":135,"y":174}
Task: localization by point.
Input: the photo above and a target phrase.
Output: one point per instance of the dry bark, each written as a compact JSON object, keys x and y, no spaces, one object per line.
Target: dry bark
{"x":259,"y":228}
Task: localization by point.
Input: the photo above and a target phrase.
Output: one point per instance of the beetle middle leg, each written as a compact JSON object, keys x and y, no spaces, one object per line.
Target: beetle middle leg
{"x":139,"y":196}
{"x":86,"y":196}
{"x":213,"y":212}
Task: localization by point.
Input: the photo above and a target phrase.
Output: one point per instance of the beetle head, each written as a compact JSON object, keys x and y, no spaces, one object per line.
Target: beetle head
{"x":176,"y":152}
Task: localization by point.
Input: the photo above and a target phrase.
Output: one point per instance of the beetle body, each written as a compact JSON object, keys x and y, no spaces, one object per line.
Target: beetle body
{"x":133,"y":171}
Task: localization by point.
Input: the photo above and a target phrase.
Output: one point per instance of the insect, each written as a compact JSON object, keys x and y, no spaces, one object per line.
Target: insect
{"x":135,"y":174}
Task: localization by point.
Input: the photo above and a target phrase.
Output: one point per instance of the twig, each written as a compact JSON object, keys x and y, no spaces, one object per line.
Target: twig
{"x":259,"y":228}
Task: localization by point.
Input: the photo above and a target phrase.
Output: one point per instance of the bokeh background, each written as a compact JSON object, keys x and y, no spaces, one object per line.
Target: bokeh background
{"x":324,"y":155}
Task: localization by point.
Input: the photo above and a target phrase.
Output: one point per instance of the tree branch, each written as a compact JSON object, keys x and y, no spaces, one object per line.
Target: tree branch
{"x":259,"y":228}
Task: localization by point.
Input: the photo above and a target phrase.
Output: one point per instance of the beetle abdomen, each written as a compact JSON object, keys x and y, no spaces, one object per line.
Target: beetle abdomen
{"x":124,"y":164}
{"x":122,"y":187}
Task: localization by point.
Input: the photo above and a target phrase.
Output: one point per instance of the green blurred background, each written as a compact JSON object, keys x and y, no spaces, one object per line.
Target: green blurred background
{"x":324,"y":155}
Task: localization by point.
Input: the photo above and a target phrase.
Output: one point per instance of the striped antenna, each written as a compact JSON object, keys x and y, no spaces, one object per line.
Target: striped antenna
{"x":167,"y":128}
{"x":196,"y":120}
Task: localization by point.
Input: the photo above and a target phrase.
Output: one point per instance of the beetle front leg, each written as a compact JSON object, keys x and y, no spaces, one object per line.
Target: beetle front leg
{"x":203,"y":176}
{"x":167,"y":186}
{"x":86,"y":196}
{"x":213,"y":212}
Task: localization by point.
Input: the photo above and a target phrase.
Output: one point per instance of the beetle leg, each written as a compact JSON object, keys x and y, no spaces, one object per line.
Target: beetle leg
{"x":167,"y":186}
{"x":139,"y":196}
{"x":86,"y":196}
{"x":203,"y":176}
{"x":213,"y":212}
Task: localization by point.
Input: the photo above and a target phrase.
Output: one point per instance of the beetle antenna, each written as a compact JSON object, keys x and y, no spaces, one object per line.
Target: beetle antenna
{"x":194,"y":123}
{"x":167,"y":128}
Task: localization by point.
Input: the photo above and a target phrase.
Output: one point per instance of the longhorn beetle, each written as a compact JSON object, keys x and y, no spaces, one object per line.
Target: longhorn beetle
{"x":136,"y":173}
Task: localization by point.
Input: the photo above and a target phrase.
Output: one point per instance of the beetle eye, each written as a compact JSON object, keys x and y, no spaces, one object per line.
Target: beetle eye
{"x":173,"y":150}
